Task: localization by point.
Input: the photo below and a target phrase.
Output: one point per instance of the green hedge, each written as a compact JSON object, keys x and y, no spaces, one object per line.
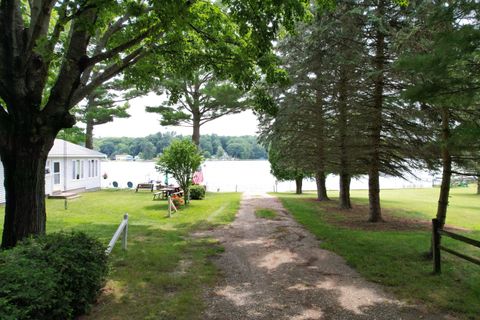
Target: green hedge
{"x":197,"y":192}
{"x":54,"y":277}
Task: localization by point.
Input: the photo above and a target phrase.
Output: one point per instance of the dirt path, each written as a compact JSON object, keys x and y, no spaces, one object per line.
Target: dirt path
{"x":274,"y":269}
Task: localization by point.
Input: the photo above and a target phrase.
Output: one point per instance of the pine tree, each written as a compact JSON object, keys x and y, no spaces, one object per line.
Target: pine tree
{"x":196,"y":100}
{"x":441,"y":61}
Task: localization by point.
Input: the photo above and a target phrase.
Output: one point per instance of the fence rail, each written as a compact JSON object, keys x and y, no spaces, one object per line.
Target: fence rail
{"x":437,"y":233}
{"x":122,"y":230}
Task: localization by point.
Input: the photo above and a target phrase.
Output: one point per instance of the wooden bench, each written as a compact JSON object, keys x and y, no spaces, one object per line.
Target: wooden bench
{"x":146,"y":186}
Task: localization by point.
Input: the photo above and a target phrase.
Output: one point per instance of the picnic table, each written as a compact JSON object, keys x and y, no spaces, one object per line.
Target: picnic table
{"x":163,"y":193}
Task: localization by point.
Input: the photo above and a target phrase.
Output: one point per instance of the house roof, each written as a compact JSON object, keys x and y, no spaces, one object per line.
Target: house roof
{"x":62,"y":148}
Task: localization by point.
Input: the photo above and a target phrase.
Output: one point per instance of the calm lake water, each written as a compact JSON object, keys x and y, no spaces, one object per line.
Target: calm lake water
{"x":253,"y":176}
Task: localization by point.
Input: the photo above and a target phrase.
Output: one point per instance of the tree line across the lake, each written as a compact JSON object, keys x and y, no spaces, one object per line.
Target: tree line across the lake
{"x":212,"y":146}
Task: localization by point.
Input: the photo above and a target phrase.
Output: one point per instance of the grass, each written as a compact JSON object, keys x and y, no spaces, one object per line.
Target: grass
{"x":266,"y":214}
{"x":395,"y":259}
{"x":162,"y":273}
{"x":464,"y":209}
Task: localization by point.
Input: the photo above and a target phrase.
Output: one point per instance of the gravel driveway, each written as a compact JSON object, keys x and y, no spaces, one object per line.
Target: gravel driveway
{"x":274,"y":269}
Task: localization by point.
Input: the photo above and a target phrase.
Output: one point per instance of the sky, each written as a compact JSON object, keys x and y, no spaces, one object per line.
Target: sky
{"x":141,"y":123}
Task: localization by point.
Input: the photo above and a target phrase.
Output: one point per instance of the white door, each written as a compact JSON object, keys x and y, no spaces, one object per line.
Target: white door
{"x":57,"y":175}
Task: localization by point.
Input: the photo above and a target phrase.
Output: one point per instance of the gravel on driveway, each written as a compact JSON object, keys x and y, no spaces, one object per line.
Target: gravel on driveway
{"x":275,"y":269}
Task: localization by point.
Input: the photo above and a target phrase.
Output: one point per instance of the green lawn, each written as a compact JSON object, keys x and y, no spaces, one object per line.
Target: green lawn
{"x":464,"y":209}
{"x":162,"y":273}
{"x":395,"y":258}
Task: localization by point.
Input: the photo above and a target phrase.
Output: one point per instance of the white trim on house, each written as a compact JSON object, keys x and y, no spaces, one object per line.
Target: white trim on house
{"x":69,"y":167}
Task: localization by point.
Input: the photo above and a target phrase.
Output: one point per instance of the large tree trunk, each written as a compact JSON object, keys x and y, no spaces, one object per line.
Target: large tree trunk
{"x":196,"y":129}
{"x":374,"y":194}
{"x":447,"y":169}
{"x":342,"y":127}
{"x":376,"y":121}
{"x":320,"y":179}
{"x":446,"y":174}
{"x":345,"y":191}
{"x":89,"y":134}
{"x":24,"y":163}
{"x":298,"y":184}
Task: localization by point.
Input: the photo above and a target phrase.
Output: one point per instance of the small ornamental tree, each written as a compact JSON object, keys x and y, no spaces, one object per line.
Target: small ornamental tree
{"x":181,"y":159}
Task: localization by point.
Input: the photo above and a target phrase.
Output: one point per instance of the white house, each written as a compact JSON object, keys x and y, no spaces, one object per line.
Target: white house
{"x":124,"y":157}
{"x":69,"y":167}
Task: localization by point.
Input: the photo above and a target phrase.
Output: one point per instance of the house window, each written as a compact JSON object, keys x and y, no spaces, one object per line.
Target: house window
{"x":82,"y":166}
{"x":74,"y":170}
{"x":96,"y":168}
{"x":91,"y":167}
{"x":77,"y":169}
{"x":56,"y":172}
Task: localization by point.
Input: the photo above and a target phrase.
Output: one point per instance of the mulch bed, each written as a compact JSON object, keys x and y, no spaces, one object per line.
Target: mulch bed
{"x":357,"y":218}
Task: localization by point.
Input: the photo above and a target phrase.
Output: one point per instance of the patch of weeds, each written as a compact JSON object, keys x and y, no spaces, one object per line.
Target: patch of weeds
{"x":266,"y":214}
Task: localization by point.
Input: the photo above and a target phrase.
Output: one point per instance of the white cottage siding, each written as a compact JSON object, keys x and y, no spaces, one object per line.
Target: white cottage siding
{"x":62,"y":156}
{"x":80,"y":167}
{"x":83,"y":173}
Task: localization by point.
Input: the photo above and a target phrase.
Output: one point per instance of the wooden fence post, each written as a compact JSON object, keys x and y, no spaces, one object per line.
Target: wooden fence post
{"x":437,"y":268}
{"x":169,"y":206}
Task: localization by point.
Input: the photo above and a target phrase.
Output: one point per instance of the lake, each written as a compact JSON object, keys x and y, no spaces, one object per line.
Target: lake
{"x":243,"y":175}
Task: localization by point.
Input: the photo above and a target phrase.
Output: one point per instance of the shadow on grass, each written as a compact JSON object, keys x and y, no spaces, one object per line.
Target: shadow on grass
{"x":156,"y":207}
{"x":157,"y":276}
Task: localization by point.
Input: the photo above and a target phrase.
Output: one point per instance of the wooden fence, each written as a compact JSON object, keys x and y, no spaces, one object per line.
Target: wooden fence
{"x":438,"y":247}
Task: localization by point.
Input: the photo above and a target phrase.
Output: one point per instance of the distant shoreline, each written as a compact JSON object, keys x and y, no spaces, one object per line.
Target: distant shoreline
{"x":219,"y":160}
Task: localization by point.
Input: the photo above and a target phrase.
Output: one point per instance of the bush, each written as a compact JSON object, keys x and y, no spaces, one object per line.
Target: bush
{"x":197,"y":192}
{"x":29,"y":287}
{"x":57,"y":276}
{"x":83,"y":263}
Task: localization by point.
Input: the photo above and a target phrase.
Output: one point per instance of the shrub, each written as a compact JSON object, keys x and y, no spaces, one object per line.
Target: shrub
{"x":83,"y":264}
{"x":29,"y":287}
{"x":197,"y":192}
{"x":54,"y":277}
